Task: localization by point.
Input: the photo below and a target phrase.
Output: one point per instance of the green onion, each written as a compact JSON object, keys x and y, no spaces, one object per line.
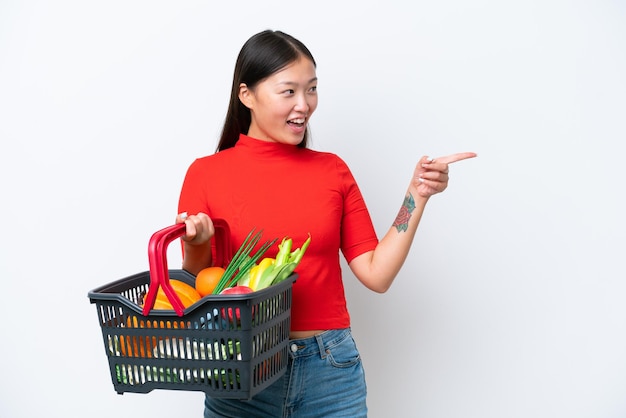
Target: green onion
{"x":242,"y":261}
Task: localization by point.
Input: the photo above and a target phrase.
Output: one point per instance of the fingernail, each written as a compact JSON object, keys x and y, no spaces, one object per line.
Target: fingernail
{"x":430,"y":159}
{"x":421,"y":180}
{"x":183,"y":216}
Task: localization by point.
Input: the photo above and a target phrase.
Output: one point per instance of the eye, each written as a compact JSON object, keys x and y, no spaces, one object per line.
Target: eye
{"x":313,"y":89}
{"x":289,"y":92}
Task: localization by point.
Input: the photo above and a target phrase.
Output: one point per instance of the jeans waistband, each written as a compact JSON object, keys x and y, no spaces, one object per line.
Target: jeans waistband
{"x":318,"y":344}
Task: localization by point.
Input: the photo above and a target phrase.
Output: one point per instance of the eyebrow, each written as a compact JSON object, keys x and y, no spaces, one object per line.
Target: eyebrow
{"x":293,"y":83}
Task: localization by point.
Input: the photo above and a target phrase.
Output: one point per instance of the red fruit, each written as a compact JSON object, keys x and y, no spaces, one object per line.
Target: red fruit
{"x":236,"y":290}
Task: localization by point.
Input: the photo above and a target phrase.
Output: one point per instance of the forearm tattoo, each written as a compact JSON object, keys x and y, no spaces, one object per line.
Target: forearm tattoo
{"x":402,"y":220}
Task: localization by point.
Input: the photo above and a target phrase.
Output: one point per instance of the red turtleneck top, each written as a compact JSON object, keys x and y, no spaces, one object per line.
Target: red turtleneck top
{"x":288,"y":191}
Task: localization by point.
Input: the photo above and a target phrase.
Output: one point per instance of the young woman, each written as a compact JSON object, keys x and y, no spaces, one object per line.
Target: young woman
{"x":263,"y":176}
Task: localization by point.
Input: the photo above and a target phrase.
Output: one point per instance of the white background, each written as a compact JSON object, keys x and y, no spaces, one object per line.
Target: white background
{"x":511,"y":303}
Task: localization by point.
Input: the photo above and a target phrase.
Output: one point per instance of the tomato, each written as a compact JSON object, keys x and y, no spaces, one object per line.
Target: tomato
{"x":235,"y":290}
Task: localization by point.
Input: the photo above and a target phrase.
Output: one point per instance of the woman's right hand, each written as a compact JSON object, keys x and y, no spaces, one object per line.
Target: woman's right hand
{"x":199,"y":228}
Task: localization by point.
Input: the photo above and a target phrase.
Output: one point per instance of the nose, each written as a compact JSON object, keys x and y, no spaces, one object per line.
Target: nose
{"x":302,"y":104}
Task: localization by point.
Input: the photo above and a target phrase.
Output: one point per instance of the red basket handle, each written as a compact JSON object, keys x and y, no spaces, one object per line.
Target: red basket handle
{"x":221,"y":242}
{"x":157,"y":257}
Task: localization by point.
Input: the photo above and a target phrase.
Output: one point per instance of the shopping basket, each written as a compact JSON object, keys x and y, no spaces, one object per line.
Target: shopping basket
{"x":228,"y":346}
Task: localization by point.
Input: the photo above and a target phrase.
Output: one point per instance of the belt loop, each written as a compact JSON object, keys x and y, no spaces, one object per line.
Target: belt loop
{"x":320,"y":344}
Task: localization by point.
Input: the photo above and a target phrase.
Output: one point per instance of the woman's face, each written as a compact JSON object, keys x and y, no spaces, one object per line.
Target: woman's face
{"x":282,"y":104}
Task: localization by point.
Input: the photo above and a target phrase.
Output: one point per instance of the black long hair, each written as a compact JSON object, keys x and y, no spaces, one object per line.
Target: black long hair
{"x":261,"y":56}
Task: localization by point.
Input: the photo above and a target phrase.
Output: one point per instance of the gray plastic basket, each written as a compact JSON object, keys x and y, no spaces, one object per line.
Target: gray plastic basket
{"x":228,"y":346}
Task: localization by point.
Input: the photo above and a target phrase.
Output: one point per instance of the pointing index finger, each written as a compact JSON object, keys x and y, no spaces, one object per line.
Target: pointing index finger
{"x":452,"y":158}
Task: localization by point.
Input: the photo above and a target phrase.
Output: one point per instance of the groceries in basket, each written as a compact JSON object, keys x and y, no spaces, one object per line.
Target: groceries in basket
{"x":218,"y":339}
{"x":242,"y":275}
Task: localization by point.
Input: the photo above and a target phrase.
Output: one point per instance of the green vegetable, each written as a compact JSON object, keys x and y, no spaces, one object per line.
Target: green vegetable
{"x":245,"y":279}
{"x":285,"y":263}
{"x":297,"y":255}
{"x":284,"y":272}
{"x":242,"y":261}
{"x":284,"y":250}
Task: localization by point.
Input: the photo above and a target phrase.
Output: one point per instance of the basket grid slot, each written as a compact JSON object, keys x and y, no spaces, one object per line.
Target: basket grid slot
{"x":269,"y":367}
{"x":136,"y":294}
{"x":266,"y":310}
{"x":216,"y":378}
{"x":269,"y":338}
{"x":168,"y":346}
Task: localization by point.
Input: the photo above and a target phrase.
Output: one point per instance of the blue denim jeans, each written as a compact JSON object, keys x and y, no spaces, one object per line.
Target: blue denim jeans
{"x":324,"y":378}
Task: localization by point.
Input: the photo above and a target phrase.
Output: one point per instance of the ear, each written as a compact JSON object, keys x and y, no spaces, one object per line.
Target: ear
{"x":246,"y":96}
